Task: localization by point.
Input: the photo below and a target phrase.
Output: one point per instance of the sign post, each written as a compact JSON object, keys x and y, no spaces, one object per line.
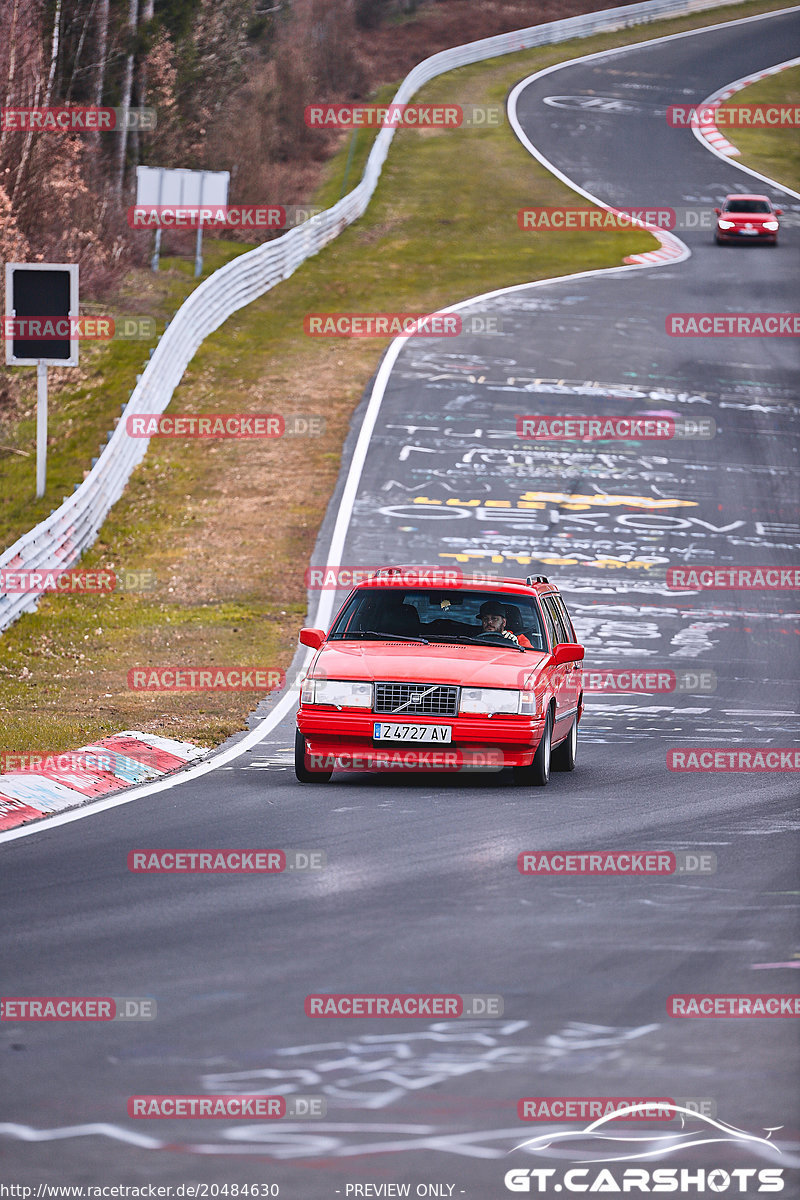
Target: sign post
{"x":42,"y":308}
{"x":41,"y":428}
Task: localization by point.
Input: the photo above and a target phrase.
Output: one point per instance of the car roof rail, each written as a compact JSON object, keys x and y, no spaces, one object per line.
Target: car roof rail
{"x":536,"y":579}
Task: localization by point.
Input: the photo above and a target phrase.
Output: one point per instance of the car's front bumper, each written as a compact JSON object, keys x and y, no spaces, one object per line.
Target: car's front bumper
{"x":760,"y":235}
{"x":344,"y":739}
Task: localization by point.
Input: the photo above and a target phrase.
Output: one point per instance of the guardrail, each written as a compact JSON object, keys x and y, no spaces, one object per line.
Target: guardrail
{"x":61,"y":538}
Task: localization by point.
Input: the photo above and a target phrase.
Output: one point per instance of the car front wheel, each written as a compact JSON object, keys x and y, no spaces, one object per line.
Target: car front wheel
{"x":564,"y":756}
{"x":300,"y":769}
{"x":538,"y":773}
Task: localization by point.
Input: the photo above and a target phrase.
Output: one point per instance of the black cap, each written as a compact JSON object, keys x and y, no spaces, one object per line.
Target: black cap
{"x":492,"y":608}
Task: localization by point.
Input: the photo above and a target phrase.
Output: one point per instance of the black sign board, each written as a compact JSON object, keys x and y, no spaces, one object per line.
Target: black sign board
{"x":41,"y":297}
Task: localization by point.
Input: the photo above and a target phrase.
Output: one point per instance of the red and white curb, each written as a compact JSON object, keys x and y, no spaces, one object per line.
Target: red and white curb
{"x":705,"y":130}
{"x":131,"y":757}
{"x":670,"y":251}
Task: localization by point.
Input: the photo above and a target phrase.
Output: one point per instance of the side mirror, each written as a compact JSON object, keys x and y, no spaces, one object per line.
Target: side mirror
{"x":717,"y":211}
{"x":312,"y":637}
{"x":778,"y":212}
{"x":566,"y":652}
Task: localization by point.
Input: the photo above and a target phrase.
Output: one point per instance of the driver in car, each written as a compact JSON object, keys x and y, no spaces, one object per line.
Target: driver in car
{"x":493,"y":620}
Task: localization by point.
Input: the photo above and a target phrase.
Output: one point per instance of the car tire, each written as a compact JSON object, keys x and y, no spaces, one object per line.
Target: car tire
{"x":563,"y":758}
{"x":300,"y":769}
{"x":538,"y":773}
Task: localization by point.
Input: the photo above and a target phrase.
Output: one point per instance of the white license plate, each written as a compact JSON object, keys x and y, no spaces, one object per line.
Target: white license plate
{"x":749,"y":232}
{"x":391,"y":731}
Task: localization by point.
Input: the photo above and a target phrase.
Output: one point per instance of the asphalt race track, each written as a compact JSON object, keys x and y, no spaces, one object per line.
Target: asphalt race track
{"x":421,"y":892}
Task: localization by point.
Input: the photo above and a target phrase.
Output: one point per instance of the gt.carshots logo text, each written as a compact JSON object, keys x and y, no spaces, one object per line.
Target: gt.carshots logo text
{"x":764,"y":324}
{"x":402,"y":1005}
{"x":677,"y":1180}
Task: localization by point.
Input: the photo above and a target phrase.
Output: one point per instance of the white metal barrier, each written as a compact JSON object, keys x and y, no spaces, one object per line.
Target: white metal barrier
{"x":62,"y":537}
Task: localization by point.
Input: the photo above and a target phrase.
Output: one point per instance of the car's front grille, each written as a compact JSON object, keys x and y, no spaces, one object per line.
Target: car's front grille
{"x":417,"y":699}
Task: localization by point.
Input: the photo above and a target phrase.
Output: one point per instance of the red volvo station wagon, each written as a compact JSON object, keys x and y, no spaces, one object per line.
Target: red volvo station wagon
{"x":419,"y":675}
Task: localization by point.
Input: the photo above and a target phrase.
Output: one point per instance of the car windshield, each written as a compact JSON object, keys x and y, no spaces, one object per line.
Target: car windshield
{"x":747,"y":206}
{"x":431,"y":615}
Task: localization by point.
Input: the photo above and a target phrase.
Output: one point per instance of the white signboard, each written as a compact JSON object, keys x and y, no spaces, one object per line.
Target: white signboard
{"x":165,"y":185}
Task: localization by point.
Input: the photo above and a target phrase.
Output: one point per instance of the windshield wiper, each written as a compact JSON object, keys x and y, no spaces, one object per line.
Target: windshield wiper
{"x":388,"y":637}
{"x":478,"y":641}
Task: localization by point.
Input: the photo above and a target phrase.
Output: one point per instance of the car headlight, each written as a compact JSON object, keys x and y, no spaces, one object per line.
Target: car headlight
{"x":497,"y":700}
{"x":726,"y":224}
{"x":339,"y":693}
{"x":771,"y":225}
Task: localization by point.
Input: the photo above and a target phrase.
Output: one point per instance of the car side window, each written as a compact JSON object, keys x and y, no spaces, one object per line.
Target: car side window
{"x":560,"y":633}
{"x":566,"y":620}
{"x":551,"y":627}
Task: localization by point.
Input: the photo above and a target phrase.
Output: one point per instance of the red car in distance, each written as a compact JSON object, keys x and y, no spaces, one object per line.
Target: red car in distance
{"x":468,"y":673}
{"x":747,"y":219}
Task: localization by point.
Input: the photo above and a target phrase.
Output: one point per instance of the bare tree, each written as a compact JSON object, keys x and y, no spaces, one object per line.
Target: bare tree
{"x":26,"y":149}
{"x":127,"y":92}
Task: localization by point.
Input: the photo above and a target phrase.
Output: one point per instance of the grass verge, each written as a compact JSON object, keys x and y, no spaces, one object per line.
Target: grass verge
{"x":772,"y":152}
